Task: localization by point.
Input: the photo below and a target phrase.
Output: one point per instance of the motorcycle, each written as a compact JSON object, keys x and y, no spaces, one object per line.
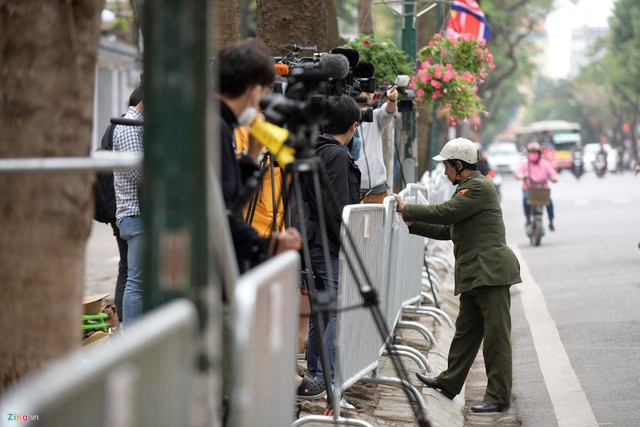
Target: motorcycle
{"x":537,"y":197}
{"x":577,"y":164}
{"x":600,"y":164}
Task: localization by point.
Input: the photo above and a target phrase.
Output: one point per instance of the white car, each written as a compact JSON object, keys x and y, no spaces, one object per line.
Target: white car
{"x":504,"y":157}
{"x":591,"y":150}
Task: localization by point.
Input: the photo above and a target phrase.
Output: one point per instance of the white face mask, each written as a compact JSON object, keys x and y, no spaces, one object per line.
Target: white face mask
{"x":249,"y":113}
{"x":246,"y":117}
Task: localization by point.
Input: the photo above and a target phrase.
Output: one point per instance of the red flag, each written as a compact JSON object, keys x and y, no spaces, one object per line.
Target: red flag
{"x":467,"y":18}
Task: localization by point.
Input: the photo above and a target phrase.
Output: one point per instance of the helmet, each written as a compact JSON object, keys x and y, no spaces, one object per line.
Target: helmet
{"x":534,"y":146}
{"x":459,"y":149}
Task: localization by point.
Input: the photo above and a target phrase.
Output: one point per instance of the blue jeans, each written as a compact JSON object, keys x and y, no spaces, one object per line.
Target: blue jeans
{"x":131,"y":231}
{"x":527,"y":208}
{"x":323,"y":283}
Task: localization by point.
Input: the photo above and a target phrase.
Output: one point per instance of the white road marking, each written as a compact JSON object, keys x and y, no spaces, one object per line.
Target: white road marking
{"x":582,"y":202}
{"x":569,"y":401}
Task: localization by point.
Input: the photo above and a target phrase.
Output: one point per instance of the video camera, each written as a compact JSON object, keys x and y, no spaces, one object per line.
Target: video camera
{"x":303,"y":83}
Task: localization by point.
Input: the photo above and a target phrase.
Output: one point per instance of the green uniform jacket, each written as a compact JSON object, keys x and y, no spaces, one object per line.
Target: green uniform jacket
{"x":472,"y":219}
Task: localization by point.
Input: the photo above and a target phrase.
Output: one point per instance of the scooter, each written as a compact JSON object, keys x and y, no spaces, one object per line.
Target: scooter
{"x":537,"y":197}
{"x":600,"y":164}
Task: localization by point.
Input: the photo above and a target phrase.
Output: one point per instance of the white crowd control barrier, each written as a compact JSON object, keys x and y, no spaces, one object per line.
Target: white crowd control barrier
{"x":139,"y":379}
{"x":439,"y":254}
{"x":265,"y":322}
{"x":406,"y":267}
{"x":379,"y":243}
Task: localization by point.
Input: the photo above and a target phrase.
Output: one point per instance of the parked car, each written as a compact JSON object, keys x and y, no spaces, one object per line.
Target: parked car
{"x":591,"y":150}
{"x":504,"y":157}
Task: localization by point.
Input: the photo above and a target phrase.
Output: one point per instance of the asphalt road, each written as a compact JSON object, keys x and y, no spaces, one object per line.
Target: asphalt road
{"x":576,"y":319}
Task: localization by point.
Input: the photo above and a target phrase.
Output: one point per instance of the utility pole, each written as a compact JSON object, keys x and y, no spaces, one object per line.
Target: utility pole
{"x":409,"y":163}
{"x":176,"y":257}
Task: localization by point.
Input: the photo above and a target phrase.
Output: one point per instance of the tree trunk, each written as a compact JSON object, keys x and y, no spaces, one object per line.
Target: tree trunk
{"x":48,"y":56}
{"x":365,"y":17}
{"x":228,"y":22}
{"x":333,"y":37}
{"x":285,"y":22}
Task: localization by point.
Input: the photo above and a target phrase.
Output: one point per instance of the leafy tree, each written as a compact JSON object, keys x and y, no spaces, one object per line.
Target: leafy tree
{"x":514,"y":26}
{"x":623,"y":64}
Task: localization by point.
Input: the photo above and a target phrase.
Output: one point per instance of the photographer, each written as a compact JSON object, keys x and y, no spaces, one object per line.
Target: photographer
{"x":246,"y":73}
{"x":374,"y":186}
{"x":343,"y":175}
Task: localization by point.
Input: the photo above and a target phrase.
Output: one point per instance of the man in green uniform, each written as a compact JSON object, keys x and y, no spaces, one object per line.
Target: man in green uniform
{"x":485,"y":268}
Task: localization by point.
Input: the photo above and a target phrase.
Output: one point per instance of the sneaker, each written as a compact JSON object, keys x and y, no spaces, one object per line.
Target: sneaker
{"x":311,"y":389}
{"x":343,"y":404}
{"x":552,"y":227}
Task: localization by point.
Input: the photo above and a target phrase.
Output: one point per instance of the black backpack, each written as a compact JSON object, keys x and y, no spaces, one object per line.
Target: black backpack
{"x":104,"y":192}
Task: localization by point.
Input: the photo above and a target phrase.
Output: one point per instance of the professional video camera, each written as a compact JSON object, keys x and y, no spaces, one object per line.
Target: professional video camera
{"x":304,"y":82}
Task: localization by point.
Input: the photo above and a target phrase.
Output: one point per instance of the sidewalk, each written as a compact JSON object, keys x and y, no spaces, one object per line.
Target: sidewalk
{"x":383,"y":405}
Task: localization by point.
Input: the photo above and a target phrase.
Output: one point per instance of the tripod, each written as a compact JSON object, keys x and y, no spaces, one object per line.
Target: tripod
{"x":268,"y":165}
{"x":312,"y":168}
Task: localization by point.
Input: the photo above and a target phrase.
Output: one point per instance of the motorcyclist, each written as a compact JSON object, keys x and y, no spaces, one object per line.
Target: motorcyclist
{"x":538,"y":170}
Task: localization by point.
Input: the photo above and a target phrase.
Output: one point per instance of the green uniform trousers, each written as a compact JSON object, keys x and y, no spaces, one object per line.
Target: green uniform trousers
{"x":484,"y":314}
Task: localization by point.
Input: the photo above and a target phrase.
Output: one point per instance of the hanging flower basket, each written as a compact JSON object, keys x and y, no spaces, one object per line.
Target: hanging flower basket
{"x":387,"y":58}
{"x":448,"y":73}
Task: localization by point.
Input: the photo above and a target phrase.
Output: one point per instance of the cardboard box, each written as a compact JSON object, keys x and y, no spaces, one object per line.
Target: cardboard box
{"x":93,"y":303}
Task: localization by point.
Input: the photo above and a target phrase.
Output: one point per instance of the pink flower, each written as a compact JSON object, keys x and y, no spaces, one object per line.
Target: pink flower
{"x":429,"y":76}
{"x":423,"y":78}
{"x":420,"y":93}
{"x":438,"y":74}
{"x":447,"y":76}
{"x":436,"y":94}
{"x":425,"y":65}
{"x":449,"y":67}
{"x":414,"y":79}
{"x":365,"y":42}
{"x":435,"y":84}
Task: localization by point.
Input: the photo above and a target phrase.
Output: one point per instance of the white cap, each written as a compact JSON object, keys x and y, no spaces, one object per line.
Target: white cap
{"x":459,"y":149}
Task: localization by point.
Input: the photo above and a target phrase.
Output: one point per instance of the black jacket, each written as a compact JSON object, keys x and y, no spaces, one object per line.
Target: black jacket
{"x":343,"y":182}
{"x":249,"y":246}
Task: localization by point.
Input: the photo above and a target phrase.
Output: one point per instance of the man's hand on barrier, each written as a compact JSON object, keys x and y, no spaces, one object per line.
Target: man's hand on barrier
{"x":400,"y":204}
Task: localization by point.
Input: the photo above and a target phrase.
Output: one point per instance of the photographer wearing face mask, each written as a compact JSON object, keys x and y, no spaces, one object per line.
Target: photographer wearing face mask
{"x":246,"y":73}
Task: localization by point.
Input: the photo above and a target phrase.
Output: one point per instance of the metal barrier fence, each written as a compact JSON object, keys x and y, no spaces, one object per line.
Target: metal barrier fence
{"x":136,"y":380}
{"x":98,"y":161}
{"x":381,"y":244}
{"x":358,"y":340}
{"x":265,"y":319}
{"x":438,"y":254}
